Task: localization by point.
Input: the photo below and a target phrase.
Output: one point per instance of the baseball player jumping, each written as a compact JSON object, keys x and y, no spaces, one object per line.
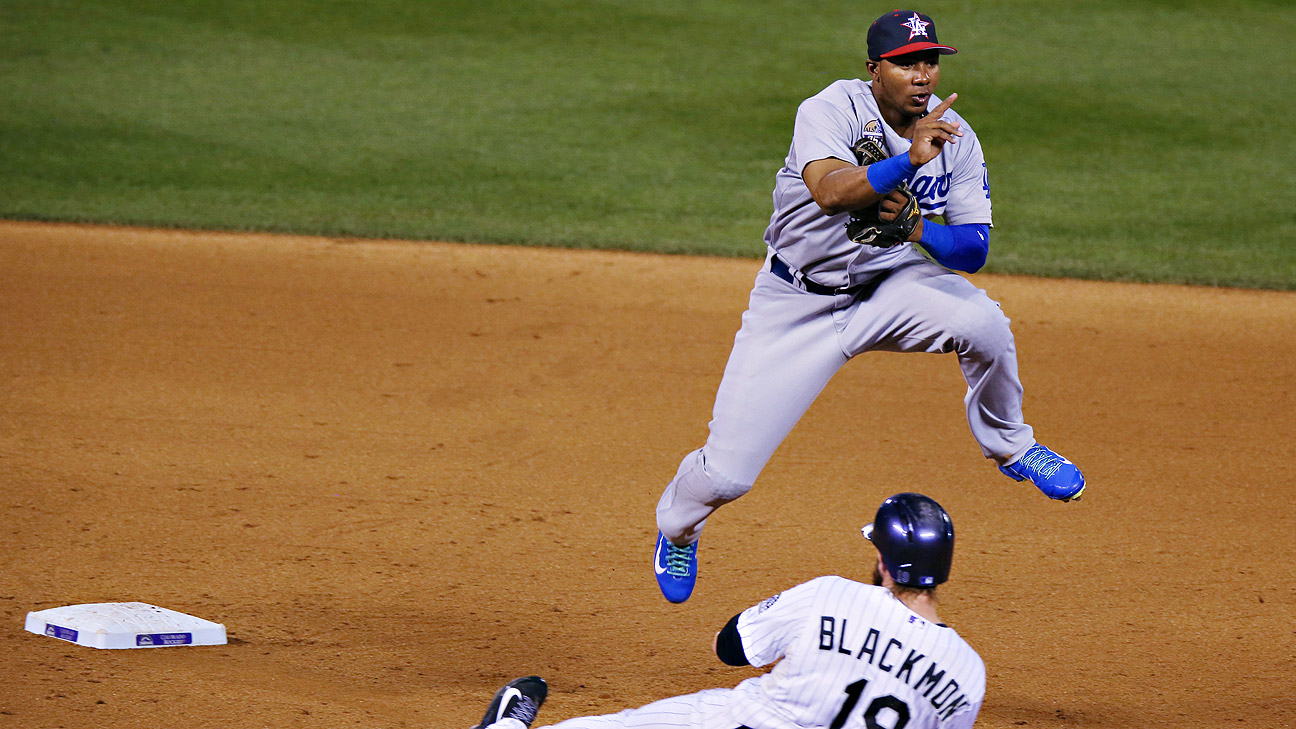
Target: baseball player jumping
{"x":870,"y":165}
{"x":849,"y":655}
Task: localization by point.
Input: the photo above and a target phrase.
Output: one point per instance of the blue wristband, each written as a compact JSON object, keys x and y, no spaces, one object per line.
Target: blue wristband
{"x":887,"y":175}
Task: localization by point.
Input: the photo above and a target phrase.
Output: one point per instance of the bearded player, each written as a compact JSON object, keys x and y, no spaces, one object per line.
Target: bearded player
{"x":858,"y":262}
{"x":846,"y":655}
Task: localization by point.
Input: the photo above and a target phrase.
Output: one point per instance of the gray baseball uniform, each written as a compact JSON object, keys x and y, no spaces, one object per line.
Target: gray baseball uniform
{"x":792,"y":341}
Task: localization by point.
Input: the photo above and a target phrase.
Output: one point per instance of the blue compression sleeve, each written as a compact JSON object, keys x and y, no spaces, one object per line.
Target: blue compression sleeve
{"x":886,"y":175}
{"x":960,"y":247}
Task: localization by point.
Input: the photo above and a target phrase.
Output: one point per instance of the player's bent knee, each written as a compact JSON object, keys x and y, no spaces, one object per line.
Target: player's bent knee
{"x":693,"y":495}
{"x":724,"y":491}
{"x":711,"y":488}
{"x":984,"y":332}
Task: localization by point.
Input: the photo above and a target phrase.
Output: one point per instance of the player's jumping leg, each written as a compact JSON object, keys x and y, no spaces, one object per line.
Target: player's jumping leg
{"x":922,"y":307}
{"x":990,"y":369}
{"x":784,"y":354}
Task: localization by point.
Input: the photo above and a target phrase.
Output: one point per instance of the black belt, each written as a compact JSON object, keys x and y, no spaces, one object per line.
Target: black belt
{"x":780,"y":269}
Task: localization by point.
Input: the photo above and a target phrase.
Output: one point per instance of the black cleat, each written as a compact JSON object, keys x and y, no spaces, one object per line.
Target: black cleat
{"x":519,"y":699}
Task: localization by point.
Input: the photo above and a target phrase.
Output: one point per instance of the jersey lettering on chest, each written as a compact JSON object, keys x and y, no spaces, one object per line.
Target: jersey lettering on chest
{"x":889,"y":656}
{"x":931,"y":190}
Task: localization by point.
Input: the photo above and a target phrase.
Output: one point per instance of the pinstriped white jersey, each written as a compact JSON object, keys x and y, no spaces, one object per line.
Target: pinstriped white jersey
{"x":852,"y":656}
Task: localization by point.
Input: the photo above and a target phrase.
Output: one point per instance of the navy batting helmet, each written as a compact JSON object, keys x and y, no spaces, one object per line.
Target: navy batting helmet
{"x":915,"y":538}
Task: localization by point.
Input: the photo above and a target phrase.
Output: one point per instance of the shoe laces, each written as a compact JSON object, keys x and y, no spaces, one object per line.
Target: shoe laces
{"x":679,"y":559}
{"x":1042,"y":461}
{"x":524,"y":710}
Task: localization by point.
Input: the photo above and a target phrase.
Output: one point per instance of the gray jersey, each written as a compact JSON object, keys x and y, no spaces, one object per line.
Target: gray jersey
{"x":851,"y":655}
{"x":953,"y":185}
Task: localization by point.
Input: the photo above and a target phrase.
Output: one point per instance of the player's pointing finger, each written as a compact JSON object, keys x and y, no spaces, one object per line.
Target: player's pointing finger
{"x":942,"y":107}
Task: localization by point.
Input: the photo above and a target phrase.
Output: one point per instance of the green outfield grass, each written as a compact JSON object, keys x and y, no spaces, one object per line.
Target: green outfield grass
{"x":1126,"y":140}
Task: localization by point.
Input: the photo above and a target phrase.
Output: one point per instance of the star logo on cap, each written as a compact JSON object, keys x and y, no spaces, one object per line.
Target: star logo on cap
{"x":917,"y":26}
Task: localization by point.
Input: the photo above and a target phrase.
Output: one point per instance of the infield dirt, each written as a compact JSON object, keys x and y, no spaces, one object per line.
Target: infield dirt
{"x":403,"y":473}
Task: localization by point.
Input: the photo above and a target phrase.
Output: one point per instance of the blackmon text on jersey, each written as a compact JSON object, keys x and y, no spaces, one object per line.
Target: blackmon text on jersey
{"x":891,"y":658}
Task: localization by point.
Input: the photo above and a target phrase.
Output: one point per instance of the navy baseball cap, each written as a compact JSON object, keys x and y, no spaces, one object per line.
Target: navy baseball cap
{"x":903,"y":31}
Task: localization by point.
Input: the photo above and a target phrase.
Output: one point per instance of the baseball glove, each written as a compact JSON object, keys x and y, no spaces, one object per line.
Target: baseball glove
{"x":865,"y":225}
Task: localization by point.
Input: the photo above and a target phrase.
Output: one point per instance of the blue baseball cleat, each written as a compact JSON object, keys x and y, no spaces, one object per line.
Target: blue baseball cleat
{"x":676,"y":569}
{"x":1057,"y":477}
